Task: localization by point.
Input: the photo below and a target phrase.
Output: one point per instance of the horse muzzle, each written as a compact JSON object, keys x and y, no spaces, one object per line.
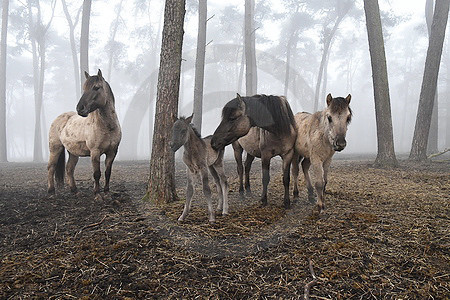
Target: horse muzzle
{"x":339,"y":145}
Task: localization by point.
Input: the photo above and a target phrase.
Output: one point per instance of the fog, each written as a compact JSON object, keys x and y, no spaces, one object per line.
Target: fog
{"x":125,"y":45}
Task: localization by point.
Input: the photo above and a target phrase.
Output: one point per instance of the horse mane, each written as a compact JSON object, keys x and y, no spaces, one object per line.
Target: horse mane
{"x":92,"y":80}
{"x":270,"y":112}
{"x":192,"y":126}
{"x":339,"y":104}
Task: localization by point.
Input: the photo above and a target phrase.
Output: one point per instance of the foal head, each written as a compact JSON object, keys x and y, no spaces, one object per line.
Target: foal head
{"x":338,"y":115}
{"x":94,"y":94}
{"x":180,"y":132}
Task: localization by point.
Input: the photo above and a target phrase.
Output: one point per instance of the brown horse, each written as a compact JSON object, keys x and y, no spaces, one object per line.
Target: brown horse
{"x":199,"y":157}
{"x":319,"y":136}
{"x":273,"y":115}
{"x":94,"y":131}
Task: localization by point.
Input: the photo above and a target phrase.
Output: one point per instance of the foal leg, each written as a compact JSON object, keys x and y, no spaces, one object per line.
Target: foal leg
{"x":95,"y":160}
{"x":265,"y":162}
{"x":319,"y":183}
{"x":248,"y":165}
{"x":207,"y":193}
{"x":215,"y":176}
{"x":306,"y":163}
{"x":326,"y":168}
{"x":189,"y":194}
{"x":287,"y":159}
{"x":224,"y":186}
{"x":70,"y":168}
{"x":110,"y":156}
{"x":240,"y":169}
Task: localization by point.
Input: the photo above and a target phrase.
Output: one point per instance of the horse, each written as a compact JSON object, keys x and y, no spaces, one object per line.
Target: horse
{"x":94,"y":131}
{"x":199,"y":157}
{"x":277,"y":134}
{"x":319,"y":136}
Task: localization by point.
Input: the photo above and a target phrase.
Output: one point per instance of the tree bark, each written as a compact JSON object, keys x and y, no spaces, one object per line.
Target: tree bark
{"x":3,"y":43}
{"x":161,"y":185}
{"x":429,"y":82}
{"x":251,"y":77}
{"x":386,"y":153}
{"x":73,"y":47}
{"x":84,"y":41}
{"x":200,"y":64}
{"x":433,"y":137}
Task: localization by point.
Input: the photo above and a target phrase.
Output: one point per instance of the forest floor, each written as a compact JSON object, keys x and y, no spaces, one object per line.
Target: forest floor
{"x":385,"y":235}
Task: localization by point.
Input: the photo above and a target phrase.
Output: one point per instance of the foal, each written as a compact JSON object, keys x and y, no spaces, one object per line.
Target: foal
{"x":319,"y":136}
{"x":199,"y":157}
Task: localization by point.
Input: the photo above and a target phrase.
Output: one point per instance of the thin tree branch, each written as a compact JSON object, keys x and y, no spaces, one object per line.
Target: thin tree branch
{"x":312,"y":282}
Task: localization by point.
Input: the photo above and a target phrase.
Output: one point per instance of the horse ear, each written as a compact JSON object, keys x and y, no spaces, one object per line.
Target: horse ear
{"x":189,"y":119}
{"x":241,"y":103}
{"x":86,"y":74}
{"x":329,"y":98}
{"x":348,"y":98}
{"x":99,"y":74}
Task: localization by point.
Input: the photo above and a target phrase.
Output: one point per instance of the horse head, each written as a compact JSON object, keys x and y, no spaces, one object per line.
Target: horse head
{"x":338,"y":116}
{"x":94,"y":94}
{"x":235,"y":124}
{"x":180,"y":132}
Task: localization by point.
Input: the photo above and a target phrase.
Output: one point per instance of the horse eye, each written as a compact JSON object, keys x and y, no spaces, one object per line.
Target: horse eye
{"x":329,"y":119}
{"x":96,"y":88}
{"x":349,"y":119}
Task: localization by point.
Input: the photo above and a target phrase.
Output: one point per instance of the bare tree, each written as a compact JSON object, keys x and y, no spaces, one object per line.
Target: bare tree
{"x":3,"y":145}
{"x":112,"y":47}
{"x":37,"y":33}
{"x":386,"y":153}
{"x":429,"y":82}
{"x":161,"y":185}
{"x":433,"y":137}
{"x":251,"y":78}
{"x":73,"y":46}
{"x":200,"y":64}
{"x":84,"y":40}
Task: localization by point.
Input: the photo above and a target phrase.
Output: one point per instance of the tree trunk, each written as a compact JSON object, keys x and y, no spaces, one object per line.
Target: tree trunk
{"x":200,"y":65}
{"x":251,"y":78}
{"x":73,"y":47}
{"x":84,"y":40}
{"x":429,"y":82}
{"x":291,"y":43}
{"x":386,"y":153}
{"x":161,"y":185}
{"x":3,"y":43}
{"x":433,"y":137}
{"x":447,"y":93}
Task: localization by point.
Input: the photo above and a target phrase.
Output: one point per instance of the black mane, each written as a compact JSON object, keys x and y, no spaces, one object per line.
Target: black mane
{"x":272,"y":113}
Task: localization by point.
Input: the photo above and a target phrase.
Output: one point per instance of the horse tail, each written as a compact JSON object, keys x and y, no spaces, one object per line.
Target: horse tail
{"x":60,"y":168}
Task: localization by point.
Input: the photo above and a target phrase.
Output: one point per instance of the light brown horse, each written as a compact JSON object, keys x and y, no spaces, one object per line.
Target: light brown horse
{"x":199,"y":157}
{"x":319,"y":136}
{"x":94,"y":131}
{"x":277,"y":134}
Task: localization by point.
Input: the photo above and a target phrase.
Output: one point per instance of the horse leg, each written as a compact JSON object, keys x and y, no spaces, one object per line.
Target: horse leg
{"x":110,"y":156}
{"x":189,"y":194}
{"x":95,"y":160}
{"x":287,"y":159}
{"x":265,"y":162}
{"x":53,"y":161}
{"x":207,"y":193}
{"x":317,"y":170}
{"x":295,"y":169}
{"x":306,"y":163}
{"x":326,"y":168}
{"x":240,"y":169}
{"x":224,"y":186}
{"x":248,"y":166}
{"x":215,"y":176}
{"x":70,"y":168}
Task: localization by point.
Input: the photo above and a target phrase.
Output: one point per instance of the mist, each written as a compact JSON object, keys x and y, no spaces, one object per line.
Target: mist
{"x":125,"y":39}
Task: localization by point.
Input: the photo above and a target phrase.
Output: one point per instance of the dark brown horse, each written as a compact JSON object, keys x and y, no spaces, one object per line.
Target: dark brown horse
{"x":94,"y":131}
{"x":277,"y":135}
{"x":319,"y":136}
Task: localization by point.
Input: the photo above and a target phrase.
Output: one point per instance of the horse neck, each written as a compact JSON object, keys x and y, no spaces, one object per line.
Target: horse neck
{"x":106,"y":115}
{"x":322,"y":116}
